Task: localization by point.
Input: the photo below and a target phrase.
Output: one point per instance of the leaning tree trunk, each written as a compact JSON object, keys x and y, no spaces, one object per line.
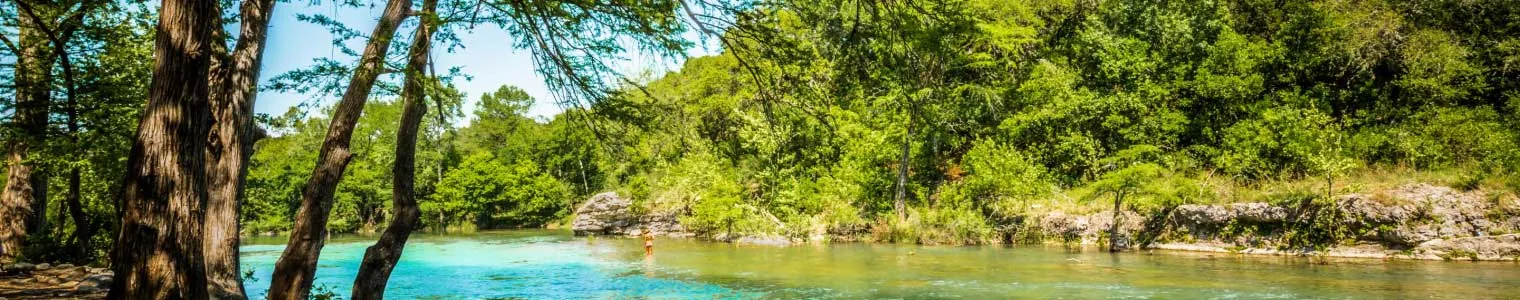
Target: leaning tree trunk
{"x":23,"y":203}
{"x":381,"y":258}
{"x":158,"y":252}
{"x":294,"y":271}
{"x":83,"y":230}
{"x":232,"y":97}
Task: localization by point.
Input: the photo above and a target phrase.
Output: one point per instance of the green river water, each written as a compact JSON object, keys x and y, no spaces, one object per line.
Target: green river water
{"x":544,"y":264}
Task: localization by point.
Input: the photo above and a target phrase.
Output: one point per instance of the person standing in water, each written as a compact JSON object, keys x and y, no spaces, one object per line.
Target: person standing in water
{"x":648,"y":244}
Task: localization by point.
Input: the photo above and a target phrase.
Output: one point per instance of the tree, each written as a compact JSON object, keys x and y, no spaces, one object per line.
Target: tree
{"x":297,"y":266}
{"x":566,"y":39}
{"x":381,"y":258}
{"x":498,"y":115}
{"x":211,"y":115}
{"x":499,"y":192}
{"x":23,"y":203}
{"x":232,"y":136}
{"x":59,"y":34}
{"x":1133,"y":174}
{"x":159,"y":248}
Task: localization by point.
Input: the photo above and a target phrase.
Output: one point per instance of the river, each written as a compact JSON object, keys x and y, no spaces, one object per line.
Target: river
{"x":545,"y":264}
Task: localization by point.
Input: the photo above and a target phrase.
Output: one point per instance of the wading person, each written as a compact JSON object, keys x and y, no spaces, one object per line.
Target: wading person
{"x":648,"y":244}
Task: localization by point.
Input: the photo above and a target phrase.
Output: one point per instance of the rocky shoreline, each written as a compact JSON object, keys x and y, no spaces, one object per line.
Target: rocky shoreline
{"x":1420,"y":221}
{"x":44,"y":281}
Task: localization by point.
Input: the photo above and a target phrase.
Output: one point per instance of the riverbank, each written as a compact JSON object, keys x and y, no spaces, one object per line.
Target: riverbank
{"x":1414,"y":221}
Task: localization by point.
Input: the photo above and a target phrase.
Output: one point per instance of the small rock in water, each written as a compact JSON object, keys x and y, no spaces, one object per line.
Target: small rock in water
{"x":763,"y":241}
{"x":43,"y":266}
{"x":66,"y":266}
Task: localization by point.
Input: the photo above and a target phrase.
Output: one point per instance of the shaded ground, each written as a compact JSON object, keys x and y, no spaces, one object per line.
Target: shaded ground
{"x":26,"y":281}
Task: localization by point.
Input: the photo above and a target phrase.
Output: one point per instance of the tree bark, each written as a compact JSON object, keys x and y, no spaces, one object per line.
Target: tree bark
{"x":158,"y":253}
{"x":23,"y":203}
{"x":381,"y":258}
{"x":899,"y":202}
{"x":230,"y":143}
{"x":294,"y":271}
{"x":83,"y":230}
{"x":1113,"y":227}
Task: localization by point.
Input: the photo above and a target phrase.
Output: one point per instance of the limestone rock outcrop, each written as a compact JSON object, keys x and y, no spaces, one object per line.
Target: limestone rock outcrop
{"x":610,"y":214}
{"x":1419,"y":221}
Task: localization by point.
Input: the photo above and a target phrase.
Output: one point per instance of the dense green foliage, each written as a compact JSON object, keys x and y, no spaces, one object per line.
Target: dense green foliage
{"x":502,"y":170}
{"x":110,"y":79}
{"x":989,"y":110}
{"x":995,"y":108}
{"x":1004,"y":106}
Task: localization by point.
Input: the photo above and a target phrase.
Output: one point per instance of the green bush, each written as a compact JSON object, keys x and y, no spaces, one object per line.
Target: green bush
{"x":999,"y":178}
{"x":1442,"y":137}
{"x":944,"y":225}
{"x":711,"y":192}
{"x":491,"y":193}
{"x":1279,"y":141}
{"x":1169,"y":191}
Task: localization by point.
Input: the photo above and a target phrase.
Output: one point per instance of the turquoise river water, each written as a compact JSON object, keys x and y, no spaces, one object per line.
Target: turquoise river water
{"x":543,"y":264}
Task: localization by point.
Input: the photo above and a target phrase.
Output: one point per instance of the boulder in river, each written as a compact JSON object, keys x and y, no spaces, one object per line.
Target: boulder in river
{"x":604,"y":213}
{"x":763,"y":240}
{"x":609,"y":214}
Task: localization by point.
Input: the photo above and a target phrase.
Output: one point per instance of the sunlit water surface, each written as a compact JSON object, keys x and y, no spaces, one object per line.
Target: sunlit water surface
{"x":554,"y":265}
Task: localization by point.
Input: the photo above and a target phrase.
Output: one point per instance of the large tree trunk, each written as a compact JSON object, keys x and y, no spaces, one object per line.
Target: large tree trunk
{"x":294,"y":271}
{"x":158,"y":252}
{"x":233,"y":94}
{"x":23,"y":203}
{"x":381,"y":258}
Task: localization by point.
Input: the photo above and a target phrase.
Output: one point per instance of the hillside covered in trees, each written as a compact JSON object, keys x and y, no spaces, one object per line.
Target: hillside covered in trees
{"x":963,"y":115}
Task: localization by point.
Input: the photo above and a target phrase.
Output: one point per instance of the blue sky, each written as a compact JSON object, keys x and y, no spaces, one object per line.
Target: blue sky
{"x":487,"y":56}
